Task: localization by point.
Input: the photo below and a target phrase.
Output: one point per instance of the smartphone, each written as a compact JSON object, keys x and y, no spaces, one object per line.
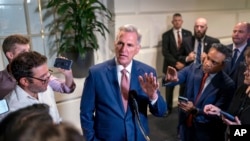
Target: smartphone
{"x":63,"y":63}
{"x":227,"y":115}
{"x":3,"y":106}
{"x":182,"y":99}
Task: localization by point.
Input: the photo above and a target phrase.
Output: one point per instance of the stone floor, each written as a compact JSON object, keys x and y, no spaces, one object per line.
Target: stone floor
{"x":164,"y":129}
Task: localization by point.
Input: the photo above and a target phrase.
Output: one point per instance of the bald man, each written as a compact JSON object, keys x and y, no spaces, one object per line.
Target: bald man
{"x":236,"y":67}
{"x":199,"y":43}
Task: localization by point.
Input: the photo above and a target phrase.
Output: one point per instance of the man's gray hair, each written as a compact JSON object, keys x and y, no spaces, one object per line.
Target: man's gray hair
{"x":130,"y":28}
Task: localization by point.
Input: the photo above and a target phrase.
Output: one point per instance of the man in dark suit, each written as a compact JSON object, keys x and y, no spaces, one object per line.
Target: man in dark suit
{"x":240,"y":35}
{"x":200,"y":43}
{"x":174,"y":54}
{"x":107,"y":112}
{"x":217,"y":88}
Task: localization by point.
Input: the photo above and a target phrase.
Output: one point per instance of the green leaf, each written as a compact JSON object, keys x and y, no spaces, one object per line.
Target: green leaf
{"x":77,"y":22}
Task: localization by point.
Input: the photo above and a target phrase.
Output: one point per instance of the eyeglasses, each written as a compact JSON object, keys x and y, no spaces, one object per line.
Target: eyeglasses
{"x":43,"y":80}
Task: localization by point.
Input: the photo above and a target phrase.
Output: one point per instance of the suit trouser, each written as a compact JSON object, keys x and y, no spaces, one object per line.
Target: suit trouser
{"x":169,"y":95}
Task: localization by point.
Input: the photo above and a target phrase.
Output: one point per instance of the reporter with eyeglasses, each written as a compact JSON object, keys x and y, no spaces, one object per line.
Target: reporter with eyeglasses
{"x":15,"y":44}
{"x":32,"y":74}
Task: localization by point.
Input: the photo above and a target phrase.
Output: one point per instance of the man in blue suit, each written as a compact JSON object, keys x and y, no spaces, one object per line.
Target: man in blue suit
{"x":106,"y":110}
{"x":217,"y":89}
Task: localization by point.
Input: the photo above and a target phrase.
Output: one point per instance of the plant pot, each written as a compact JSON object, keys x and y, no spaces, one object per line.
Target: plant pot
{"x":80,"y":66}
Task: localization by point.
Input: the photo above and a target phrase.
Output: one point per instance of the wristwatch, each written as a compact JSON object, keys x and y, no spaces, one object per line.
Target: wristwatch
{"x":194,"y":111}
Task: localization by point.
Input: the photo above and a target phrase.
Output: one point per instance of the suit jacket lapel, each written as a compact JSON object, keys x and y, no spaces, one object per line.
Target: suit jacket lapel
{"x":193,"y":42}
{"x":183,"y":33}
{"x":197,"y":82}
{"x":135,"y":71}
{"x":113,"y":80}
{"x":205,"y":44}
{"x":240,"y":59}
{"x":172,"y":39}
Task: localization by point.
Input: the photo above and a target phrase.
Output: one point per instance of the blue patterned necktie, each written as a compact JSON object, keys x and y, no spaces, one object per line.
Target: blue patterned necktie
{"x":198,"y":54}
{"x":234,"y":57}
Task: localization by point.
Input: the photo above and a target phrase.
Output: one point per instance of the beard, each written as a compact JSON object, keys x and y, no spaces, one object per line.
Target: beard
{"x":199,"y":35}
{"x":37,"y":89}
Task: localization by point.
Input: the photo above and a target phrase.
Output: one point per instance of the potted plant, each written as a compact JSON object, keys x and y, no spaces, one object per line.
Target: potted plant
{"x":76,"y":23}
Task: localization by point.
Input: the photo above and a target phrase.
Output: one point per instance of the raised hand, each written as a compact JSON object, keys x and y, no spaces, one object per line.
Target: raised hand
{"x":149,"y":85}
{"x":171,"y":75}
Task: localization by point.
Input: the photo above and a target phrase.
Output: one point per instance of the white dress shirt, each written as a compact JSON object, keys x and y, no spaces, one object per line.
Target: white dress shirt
{"x":175,"y":31}
{"x":18,"y":99}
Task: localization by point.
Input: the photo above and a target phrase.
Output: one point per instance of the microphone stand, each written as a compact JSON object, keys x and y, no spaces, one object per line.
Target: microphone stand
{"x":137,"y":117}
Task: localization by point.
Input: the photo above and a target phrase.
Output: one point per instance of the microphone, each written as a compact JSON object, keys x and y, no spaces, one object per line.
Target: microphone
{"x":133,"y":96}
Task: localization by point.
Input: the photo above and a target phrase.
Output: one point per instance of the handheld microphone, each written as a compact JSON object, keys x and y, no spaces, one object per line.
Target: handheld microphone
{"x":133,"y":96}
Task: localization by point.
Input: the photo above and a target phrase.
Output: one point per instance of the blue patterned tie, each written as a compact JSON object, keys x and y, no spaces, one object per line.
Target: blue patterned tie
{"x":234,"y":57}
{"x":198,"y":54}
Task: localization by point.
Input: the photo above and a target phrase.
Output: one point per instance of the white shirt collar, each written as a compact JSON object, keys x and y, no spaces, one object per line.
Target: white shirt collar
{"x":241,"y":48}
{"x":120,"y":67}
{"x":175,"y":30}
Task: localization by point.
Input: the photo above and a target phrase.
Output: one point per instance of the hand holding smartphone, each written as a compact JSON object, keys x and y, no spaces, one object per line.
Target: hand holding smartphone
{"x":183,"y":99}
{"x":63,"y":63}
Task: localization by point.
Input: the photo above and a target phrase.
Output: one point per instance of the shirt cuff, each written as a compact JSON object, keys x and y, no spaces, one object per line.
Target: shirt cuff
{"x":154,"y":99}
